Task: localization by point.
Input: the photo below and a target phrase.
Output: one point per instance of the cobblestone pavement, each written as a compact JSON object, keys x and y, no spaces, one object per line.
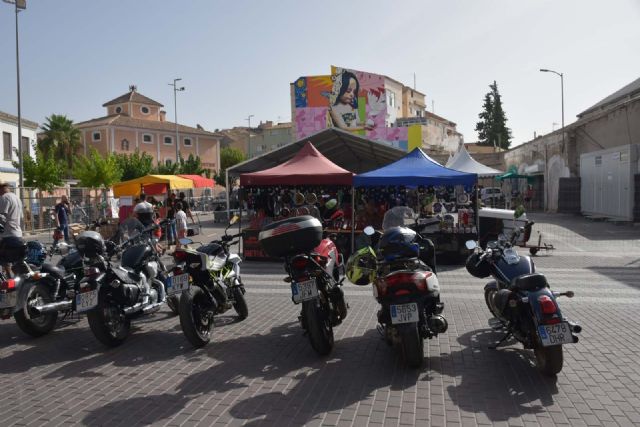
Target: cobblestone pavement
{"x":262,"y":371}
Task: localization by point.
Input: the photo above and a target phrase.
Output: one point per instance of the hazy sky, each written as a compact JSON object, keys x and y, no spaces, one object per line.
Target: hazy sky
{"x":238,"y":57}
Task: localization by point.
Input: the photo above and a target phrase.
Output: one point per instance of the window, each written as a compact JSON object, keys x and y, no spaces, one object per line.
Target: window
{"x":25,"y":145}
{"x":391,"y":98}
{"x":187,"y":142}
{"x":95,"y":136}
{"x":6,"y":143}
{"x":118,"y":110}
{"x":124,"y":145}
{"x":168,"y":162}
{"x":147,"y":138}
{"x":144,"y":110}
{"x":598,"y":160}
{"x":168,"y":140}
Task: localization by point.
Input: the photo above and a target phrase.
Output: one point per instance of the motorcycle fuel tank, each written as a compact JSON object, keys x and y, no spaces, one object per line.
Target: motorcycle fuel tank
{"x":512,"y":270}
{"x":134,"y":256}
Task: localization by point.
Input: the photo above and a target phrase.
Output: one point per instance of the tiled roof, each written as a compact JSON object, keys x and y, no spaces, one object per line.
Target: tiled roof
{"x":132,"y":96}
{"x":6,"y":117}
{"x":628,"y":91}
{"x":126,"y":121}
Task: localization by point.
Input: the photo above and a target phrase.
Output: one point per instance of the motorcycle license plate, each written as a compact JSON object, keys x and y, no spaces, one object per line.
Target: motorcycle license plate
{"x":304,"y":291}
{"x":557,"y":334}
{"x":404,"y":313}
{"x":86,"y":301}
{"x":177,"y":284}
{"x":8,"y":299}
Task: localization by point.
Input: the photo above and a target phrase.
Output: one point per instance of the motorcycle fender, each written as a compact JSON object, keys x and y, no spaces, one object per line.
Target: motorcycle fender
{"x":535,"y":304}
{"x":491,"y":285}
{"x":26,"y":283}
{"x":405,"y":328}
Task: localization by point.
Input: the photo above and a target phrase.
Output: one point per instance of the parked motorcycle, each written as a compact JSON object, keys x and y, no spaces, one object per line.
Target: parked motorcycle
{"x":313,"y":266}
{"x":402,"y":270}
{"x":112,"y":295}
{"x":209,"y":283}
{"x":522,"y":302}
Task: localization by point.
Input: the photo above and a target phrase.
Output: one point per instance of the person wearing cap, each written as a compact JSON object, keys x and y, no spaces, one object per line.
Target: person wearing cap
{"x":11,"y":220}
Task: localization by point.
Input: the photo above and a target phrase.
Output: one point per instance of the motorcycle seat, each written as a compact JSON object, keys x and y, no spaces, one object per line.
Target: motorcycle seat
{"x":210,"y":249}
{"x":127,"y":275}
{"x":529,"y":282}
{"x":53,"y":269}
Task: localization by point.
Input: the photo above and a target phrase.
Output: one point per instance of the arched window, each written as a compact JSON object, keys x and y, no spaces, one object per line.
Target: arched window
{"x":124,"y":145}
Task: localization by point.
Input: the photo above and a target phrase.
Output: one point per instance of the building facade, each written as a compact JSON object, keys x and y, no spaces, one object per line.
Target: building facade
{"x":135,"y":122}
{"x":9,"y":131}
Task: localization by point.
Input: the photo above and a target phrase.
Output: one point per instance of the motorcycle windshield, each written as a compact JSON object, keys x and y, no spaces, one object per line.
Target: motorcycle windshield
{"x":396,"y":216}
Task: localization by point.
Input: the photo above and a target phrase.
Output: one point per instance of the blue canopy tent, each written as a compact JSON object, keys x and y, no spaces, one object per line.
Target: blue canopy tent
{"x":416,"y":168}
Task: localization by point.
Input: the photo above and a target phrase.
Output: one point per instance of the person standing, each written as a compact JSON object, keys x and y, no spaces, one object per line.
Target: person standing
{"x":11,"y":220}
{"x":181,"y":223}
{"x":186,"y":207}
{"x":171,"y":215}
{"x":63,"y":212}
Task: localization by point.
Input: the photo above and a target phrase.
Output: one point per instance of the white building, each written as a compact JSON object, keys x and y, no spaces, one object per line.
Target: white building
{"x":9,"y":130}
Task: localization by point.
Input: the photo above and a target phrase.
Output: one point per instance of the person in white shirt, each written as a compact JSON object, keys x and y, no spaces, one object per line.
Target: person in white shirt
{"x":181,"y":223}
{"x":11,"y":220}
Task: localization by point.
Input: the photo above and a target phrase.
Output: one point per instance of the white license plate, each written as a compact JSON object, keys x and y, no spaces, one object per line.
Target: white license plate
{"x":177,"y":284}
{"x":304,"y":291}
{"x":404,"y":313}
{"x":86,"y":300}
{"x":557,"y":334}
{"x":8,"y":299}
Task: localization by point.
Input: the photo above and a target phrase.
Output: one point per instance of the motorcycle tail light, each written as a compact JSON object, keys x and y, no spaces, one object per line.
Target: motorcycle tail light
{"x":8,"y":285}
{"x":180,"y":256}
{"x":91,"y":271}
{"x":177,"y":271}
{"x":299,"y":263}
{"x":418,"y":278}
{"x":547,"y":305}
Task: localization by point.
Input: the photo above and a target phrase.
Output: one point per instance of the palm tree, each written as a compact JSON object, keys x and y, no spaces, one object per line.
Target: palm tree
{"x":61,"y":140}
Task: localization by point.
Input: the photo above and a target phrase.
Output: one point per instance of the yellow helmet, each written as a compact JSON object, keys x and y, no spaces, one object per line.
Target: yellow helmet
{"x":361,"y":267}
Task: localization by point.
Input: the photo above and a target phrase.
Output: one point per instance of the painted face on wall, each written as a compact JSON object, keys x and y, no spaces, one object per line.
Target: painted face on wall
{"x":349,"y":95}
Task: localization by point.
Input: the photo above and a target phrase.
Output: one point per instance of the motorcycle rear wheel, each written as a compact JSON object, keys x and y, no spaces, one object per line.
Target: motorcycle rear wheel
{"x":196,"y":319}
{"x":549,"y":359}
{"x":109,"y":324}
{"x":32,"y":323}
{"x":240,"y":304}
{"x":318,"y":326}
{"x":412,"y":345}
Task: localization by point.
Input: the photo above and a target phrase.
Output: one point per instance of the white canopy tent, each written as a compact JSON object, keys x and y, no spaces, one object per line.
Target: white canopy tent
{"x":463,"y":162}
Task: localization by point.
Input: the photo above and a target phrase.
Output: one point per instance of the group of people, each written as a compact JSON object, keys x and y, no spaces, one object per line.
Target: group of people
{"x":177,"y":212}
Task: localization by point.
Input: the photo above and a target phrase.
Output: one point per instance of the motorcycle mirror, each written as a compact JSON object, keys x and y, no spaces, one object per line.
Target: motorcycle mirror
{"x":185,"y":241}
{"x":471,"y":245}
{"x":369,"y":230}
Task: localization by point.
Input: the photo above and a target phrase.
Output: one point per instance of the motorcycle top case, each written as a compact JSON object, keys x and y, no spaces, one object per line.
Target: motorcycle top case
{"x":291,"y":236}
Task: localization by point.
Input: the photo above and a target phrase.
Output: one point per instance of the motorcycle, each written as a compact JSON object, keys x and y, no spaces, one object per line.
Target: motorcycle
{"x":402,"y":269}
{"x":522,"y":302}
{"x":113,"y":295}
{"x":313,"y":265}
{"x":209,"y":283}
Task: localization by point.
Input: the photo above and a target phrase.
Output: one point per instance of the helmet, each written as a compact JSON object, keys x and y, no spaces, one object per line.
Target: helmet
{"x":36,"y":253}
{"x":63,"y":248}
{"x":480,"y":271}
{"x":331,"y":204}
{"x":361,"y":267}
{"x":397,"y":243}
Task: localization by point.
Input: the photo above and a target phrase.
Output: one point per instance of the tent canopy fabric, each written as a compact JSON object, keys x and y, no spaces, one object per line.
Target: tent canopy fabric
{"x":463,"y":162}
{"x":133,"y":187}
{"x":345,"y":149}
{"x":513,"y":175}
{"x":308,"y":167}
{"x":199,"y":181}
{"x":416,"y":168}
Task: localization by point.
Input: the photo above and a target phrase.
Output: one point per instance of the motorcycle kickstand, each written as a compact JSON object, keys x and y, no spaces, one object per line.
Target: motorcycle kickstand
{"x":503,"y":339}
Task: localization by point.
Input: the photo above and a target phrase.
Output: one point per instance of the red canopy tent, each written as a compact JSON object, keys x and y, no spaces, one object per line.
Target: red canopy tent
{"x":307,"y":167}
{"x":199,"y":181}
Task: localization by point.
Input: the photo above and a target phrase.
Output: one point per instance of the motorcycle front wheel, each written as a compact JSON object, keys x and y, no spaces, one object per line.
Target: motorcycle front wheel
{"x":196,"y":318}
{"x":28,"y":320}
{"x":109,"y":324}
{"x":240,"y":304}
{"x":549,"y":359}
{"x":489,"y":295}
{"x":412,"y":345}
{"x":173,"y":302}
{"x":319,"y":327}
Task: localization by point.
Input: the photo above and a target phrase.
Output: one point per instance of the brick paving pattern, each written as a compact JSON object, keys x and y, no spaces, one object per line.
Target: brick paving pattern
{"x":262,"y":371}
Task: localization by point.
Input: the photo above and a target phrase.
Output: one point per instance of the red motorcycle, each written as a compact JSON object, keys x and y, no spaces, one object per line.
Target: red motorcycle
{"x":314,"y":267}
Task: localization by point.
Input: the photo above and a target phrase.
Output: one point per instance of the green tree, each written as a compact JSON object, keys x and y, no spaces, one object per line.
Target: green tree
{"x":170,"y":169}
{"x":191,"y":166}
{"x":492,"y":128}
{"x":228,"y":157}
{"x":95,"y":171}
{"x":61,"y":141}
{"x":135,"y":165}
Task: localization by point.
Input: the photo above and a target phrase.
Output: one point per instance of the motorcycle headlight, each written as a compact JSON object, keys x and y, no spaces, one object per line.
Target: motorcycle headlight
{"x":115,"y":283}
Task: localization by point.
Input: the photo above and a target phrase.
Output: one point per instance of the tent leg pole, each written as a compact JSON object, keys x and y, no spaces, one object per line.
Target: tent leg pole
{"x":240,"y":241}
{"x":226,"y":178}
{"x":353,"y":218}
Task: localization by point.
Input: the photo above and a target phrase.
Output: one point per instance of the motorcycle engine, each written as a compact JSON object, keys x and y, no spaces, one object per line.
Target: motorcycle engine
{"x":152,"y":269}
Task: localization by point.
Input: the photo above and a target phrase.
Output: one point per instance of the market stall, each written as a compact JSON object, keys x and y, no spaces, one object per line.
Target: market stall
{"x":295,"y":187}
{"x":440,"y":195}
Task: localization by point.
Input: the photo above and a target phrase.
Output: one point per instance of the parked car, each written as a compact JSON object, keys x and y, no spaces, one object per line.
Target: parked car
{"x":491,"y":195}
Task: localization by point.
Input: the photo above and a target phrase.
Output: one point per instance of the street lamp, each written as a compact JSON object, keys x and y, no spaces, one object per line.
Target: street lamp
{"x":544,"y":70}
{"x":175,"y":111}
{"x":249,"y":135}
{"x":19,"y":5}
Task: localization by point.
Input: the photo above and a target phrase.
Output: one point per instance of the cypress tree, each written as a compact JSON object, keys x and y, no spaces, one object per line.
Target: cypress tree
{"x":492,"y":128}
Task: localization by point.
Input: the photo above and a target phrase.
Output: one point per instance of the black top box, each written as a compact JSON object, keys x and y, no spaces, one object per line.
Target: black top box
{"x":291,"y":236}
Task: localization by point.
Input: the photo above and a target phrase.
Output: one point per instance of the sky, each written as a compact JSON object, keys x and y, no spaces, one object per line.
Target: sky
{"x":237,"y":58}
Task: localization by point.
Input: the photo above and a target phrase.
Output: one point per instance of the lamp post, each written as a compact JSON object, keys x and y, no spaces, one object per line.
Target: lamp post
{"x":249,"y":135}
{"x":544,"y":70}
{"x":175,"y":111}
{"x":19,"y":5}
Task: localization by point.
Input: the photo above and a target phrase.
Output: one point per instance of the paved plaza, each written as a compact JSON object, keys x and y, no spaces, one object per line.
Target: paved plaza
{"x":262,"y":371}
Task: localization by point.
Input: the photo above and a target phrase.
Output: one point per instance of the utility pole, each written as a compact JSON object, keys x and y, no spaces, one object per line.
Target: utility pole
{"x":175,"y":111}
{"x":248,"y":119}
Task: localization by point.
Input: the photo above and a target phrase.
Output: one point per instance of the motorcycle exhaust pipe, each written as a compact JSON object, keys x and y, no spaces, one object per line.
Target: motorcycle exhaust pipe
{"x":133,"y":309}
{"x":152,"y":308}
{"x":437,"y":324}
{"x":53,"y":307}
{"x":575,"y":328}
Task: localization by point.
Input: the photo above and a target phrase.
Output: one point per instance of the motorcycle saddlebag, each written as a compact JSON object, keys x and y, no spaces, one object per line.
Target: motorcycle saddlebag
{"x":291,"y":236}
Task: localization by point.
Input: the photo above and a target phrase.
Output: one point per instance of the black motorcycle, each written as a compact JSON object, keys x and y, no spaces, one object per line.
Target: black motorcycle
{"x":112,"y":295}
{"x":214,"y":272}
{"x":522,"y":302}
